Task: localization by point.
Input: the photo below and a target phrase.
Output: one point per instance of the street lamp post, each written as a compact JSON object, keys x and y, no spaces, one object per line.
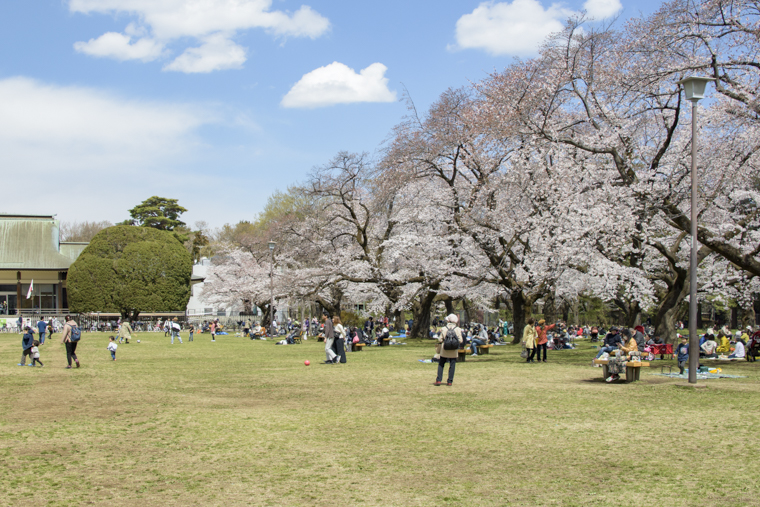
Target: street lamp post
{"x":271,"y":288}
{"x":694,"y":88}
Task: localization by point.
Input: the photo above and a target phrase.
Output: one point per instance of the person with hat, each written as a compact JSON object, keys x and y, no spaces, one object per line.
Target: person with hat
{"x":445,"y":355}
{"x":542,"y":340}
{"x":611,"y":342}
{"x":175,"y":329}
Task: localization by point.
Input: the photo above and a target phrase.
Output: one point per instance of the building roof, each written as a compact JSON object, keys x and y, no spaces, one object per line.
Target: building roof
{"x":31,"y":242}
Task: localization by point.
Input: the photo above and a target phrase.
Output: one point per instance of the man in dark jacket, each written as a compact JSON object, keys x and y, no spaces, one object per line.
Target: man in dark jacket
{"x":611,"y":342}
{"x":27,"y":342}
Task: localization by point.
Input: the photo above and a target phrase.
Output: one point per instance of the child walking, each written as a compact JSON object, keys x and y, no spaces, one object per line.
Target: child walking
{"x":36,"y":354}
{"x":112,"y":346}
{"x":683,"y":353}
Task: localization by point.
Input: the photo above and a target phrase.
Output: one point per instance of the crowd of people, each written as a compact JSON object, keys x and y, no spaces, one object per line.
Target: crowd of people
{"x":623,"y":344}
{"x":619,"y":344}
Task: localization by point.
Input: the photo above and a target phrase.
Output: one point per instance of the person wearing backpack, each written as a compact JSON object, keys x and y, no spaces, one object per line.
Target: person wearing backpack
{"x":449,"y":341}
{"x":71,"y":336}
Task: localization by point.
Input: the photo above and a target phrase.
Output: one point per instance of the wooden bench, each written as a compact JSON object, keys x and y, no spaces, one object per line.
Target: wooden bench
{"x":462,"y":354}
{"x":357,"y":347}
{"x":483,"y":349}
{"x":632,"y":369}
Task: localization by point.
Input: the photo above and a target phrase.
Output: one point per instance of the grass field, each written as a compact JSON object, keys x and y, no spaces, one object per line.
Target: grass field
{"x":238,"y":422}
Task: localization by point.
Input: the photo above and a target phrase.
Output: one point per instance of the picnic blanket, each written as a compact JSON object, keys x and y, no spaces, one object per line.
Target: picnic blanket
{"x":700,"y":375}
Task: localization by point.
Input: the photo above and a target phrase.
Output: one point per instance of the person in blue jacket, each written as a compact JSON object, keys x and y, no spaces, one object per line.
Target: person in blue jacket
{"x":27,"y":342}
{"x":42,"y":327}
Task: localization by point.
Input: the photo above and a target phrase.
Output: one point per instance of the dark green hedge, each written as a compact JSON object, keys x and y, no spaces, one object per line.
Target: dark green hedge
{"x":129,"y":270}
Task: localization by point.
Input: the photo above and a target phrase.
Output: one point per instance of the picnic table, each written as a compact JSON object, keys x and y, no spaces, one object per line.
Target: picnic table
{"x":632,"y":369}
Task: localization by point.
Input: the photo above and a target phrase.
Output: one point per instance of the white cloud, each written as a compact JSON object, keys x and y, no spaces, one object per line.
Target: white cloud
{"x":49,"y":129}
{"x":516,"y":28}
{"x":602,"y":9}
{"x":216,"y":53}
{"x":339,"y":84}
{"x":117,"y":45}
{"x":170,"y":21}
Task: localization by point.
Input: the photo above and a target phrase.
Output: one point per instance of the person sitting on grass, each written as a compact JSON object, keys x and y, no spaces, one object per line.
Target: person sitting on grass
{"x":725,"y":344}
{"x":739,"y":350}
{"x":709,"y":346}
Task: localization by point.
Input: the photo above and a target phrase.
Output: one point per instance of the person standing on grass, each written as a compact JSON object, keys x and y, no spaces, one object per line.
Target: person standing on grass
{"x":192,"y":330}
{"x":329,"y":339}
{"x":27,"y":342}
{"x":42,"y":328}
{"x":529,"y":339}
{"x":212,"y":330}
{"x":36,"y":354}
{"x":682,"y":352}
{"x":542,"y":340}
{"x":445,"y":355}
{"x":175,"y":328}
{"x":125,"y":331}
{"x":339,"y":345}
{"x":71,"y":335}
{"x":112,"y":346}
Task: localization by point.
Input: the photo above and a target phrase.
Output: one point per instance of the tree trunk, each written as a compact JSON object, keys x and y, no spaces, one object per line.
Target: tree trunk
{"x":449,"y":306}
{"x":466,"y":308}
{"x":421,"y":315}
{"x":700,"y":324}
{"x":549,"y":310}
{"x":734,"y":317}
{"x":265,"y":321}
{"x":521,"y":311}
{"x":667,"y":311}
{"x":398,"y":321}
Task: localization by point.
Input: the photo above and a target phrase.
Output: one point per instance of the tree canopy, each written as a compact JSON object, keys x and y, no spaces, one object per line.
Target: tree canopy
{"x":157,"y":212}
{"x":130,"y":270}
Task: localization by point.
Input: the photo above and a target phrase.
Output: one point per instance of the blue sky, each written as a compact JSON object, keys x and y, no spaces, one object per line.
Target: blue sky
{"x":218,"y":103}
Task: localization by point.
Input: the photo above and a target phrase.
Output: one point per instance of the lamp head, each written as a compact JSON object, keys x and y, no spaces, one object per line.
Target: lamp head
{"x":694,"y":87}
{"x":271,"y":245}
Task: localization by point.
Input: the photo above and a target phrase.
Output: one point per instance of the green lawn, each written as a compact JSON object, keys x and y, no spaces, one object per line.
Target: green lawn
{"x":238,"y":422}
